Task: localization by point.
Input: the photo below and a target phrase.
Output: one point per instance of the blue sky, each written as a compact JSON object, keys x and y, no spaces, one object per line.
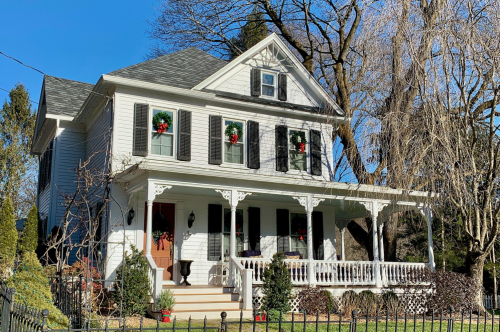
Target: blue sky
{"x":78,"y":40}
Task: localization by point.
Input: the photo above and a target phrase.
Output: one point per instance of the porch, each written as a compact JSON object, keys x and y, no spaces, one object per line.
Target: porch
{"x":246,"y":273}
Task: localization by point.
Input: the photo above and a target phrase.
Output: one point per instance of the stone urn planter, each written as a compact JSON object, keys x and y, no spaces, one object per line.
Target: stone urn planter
{"x":185,"y":271}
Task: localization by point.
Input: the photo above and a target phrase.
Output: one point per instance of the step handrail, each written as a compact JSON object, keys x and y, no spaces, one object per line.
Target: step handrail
{"x":242,"y":282}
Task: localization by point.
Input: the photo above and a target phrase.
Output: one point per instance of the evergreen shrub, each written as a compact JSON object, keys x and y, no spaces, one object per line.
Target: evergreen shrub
{"x":8,"y":237}
{"x":166,"y":300}
{"x":33,"y":289}
{"x":29,"y":239}
{"x":277,"y":285}
{"x":136,"y":288}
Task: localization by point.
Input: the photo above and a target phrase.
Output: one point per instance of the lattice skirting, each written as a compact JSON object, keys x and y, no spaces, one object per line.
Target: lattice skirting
{"x":257,"y":299}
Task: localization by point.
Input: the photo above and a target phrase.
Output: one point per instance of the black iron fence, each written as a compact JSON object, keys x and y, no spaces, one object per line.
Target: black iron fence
{"x":68,"y":294}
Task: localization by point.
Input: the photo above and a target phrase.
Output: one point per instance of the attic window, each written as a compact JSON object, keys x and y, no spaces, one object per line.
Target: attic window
{"x":269,"y":84}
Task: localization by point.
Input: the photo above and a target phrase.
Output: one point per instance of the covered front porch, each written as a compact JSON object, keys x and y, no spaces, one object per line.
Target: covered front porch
{"x":227,"y":267}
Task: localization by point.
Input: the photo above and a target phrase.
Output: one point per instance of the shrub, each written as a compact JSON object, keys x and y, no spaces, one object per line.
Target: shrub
{"x":329,"y":300}
{"x":166,"y":300}
{"x":33,"y":289}
{"x":29,"y":240}
{"x":349,"y":302}
{"x":8,"y":237}
{"x":451,"y":289}
{"x":135,"y":287}
{"x":277,"y":285}
{"x":313,"y":300}
{"x":391,"y":302}
{"x":273,"y":315}
{"x":369,"y":302}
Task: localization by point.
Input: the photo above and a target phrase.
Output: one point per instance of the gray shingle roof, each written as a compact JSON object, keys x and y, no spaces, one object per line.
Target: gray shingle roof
{"x":65,"y":97}
{"x":182,"y":69}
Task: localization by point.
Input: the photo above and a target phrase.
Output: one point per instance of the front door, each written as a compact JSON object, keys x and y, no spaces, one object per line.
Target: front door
{"x":162,"y":246}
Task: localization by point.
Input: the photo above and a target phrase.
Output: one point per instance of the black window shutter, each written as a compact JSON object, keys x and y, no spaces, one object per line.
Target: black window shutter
{"x":283,"y":230}
{"x":254,"y":228}
{"x":214,"y":232}
{"x":141,"y":130}
{"x":256,"y":82}
{"x":215,"y":146}
{"x":315,"y":152}
{"x":318,"y":235}
{"x":184,"y":139}
{"x":282,"y":87}
{"x":49,"y":162}
{"x":281,"y":138}
{"x":253,"y":145}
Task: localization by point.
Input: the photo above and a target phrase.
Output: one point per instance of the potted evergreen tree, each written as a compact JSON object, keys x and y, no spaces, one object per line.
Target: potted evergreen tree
{"x":165,"y":302}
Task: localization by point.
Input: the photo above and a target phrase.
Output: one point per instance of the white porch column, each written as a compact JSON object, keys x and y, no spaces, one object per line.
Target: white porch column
{"x":153,"y":190}
{"x":381,"y":241}
{"x":427,"y":213}
{"x":309,"y":203}
{"x":232,"y":235}
{"x":342,"y":246}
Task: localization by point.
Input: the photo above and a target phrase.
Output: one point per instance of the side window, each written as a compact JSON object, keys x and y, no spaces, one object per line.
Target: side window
{"x":234,"y":142}
{"x":298,"y":150}
{"x":162,"y":136}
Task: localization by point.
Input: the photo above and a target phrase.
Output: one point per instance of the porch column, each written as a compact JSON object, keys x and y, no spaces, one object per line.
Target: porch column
{"x":232,"y":235}
{"x":342,"y":248}
{"x":309,"y":203}
{"x":381,"y":241}
{"x":427,"y":213}
{"x":153,"y":190}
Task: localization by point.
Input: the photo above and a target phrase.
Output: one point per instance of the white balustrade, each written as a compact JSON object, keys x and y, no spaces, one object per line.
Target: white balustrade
{"x":344,"y":273}
{"x":256,"y":265}
{"x":396,"y":272}
{"x":242,"y":282}
{"x":298,"y":270}
{"x":155,"y":276}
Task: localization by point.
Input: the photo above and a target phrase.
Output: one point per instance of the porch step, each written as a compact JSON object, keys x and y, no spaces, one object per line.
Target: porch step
{"x":209,"y":305}
{"x":185,"y":290}
{"x":211,"y":314}
{"x":217,"y":297}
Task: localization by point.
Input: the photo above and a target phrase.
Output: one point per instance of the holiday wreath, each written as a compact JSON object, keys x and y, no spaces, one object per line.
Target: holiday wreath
{"x":234,"y":131}
{"x":161,"y":122}
{"x":299,"y":140}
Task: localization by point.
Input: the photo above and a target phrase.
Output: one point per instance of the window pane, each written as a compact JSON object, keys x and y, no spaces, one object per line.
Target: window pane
{"x":298,"y":230}
{"x":233,"y":153}
{"x":298,"y":161}
{"x":267,"y":79}
{"x":162,"y":144}
{"x":268,"y":90}
{"x":170,"y":129}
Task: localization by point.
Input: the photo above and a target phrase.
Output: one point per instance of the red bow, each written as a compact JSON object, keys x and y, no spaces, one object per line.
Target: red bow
{"x":234,"y":139}
{"x":302,"y":232}
{"x":162,"y":127}
{"x":302,"y":147}
{"x":160,"y":241}
{"x":237,"y":227}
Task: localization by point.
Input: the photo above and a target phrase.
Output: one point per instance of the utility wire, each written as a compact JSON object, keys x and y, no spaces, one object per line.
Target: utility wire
{"x":9,"y":92}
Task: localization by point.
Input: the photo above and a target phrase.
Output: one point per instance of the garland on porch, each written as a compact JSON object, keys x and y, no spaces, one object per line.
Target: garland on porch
{"x":234,"y":131}
{"x":161,"y":122}
{"x":299,"y":140}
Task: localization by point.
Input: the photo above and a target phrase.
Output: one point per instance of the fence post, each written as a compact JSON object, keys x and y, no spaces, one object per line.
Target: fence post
{"x":223,"y":315}
{"x":451,"y":321}
{"x":354,"y":322}
{"x":10,"y":320}
{"x":45,"y":315}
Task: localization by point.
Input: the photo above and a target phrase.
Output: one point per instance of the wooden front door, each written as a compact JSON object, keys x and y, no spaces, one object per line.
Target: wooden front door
{"x":162,"y":246}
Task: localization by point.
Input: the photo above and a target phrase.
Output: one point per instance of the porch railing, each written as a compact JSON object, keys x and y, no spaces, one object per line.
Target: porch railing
{"x":339,"y":272}
{"x":241,"y":279}
{"x":155,"y":275}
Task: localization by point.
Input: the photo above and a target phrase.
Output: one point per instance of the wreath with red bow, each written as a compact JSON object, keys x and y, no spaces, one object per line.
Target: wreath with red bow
{"x":161,"y":122}
{"x":234,"y":131}
{"x":299,"y":140}
{"x":301,"y":232}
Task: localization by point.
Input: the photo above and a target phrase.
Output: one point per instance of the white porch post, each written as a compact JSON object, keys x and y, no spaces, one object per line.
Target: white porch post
{"x":342,"y":248}
{"x":309,"y":203}
{"x":427,"y":213}
{"x":149,"y":227}
{"x":381,"y":241}
{"x":232,"y":236}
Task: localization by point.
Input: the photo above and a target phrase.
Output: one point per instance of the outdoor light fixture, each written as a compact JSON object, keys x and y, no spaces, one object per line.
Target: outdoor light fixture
{"x":191,"y":219}
{"x":130,"y":217}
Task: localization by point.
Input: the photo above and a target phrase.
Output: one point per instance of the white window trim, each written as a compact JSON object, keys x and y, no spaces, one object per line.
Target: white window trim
{"x":275,"y":74}
{"x":296,"y":171}
{"x":245,"y":144}
{"x":174,"y":132}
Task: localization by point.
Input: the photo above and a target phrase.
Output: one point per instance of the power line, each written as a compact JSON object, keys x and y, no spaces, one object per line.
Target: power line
{"x":9,"y":92}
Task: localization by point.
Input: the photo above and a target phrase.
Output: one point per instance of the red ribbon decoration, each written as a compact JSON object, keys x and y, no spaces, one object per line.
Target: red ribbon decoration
{"x":302,"y":147}
{"x":237,"y":227}
{"x":302,"y":232}
{"x":160,"y":241}
{"x":234,"y":139}
{"x":162,"y":127}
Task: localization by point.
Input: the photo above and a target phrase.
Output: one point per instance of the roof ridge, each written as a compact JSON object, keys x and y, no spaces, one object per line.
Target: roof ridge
{"x":67,"y":79}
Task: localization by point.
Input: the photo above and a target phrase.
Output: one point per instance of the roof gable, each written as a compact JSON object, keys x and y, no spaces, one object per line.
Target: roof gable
{"x":182,"y":69}
{"x":273,"y":55}
{"x":63,"y":96}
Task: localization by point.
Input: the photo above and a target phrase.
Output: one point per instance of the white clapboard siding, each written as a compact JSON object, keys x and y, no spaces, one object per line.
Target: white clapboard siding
{"x":200,"y":131}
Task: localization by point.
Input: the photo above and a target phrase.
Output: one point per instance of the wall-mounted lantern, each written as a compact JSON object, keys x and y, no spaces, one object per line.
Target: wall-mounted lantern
{"x":130,"y":217}
{"x":191,"y":219}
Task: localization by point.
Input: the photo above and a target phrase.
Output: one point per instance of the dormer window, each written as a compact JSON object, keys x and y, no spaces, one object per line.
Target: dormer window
{"x":269,"y":84}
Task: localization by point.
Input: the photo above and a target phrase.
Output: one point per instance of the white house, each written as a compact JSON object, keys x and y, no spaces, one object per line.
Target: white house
{"x":268,"y":190}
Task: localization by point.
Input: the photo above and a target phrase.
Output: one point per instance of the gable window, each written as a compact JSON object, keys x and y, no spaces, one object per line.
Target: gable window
{"x":162,"y":136}
{"x":298,"y":233}
{"x":269,"y":84}
{"x":234,"y":143}
{"x":297,"y":150}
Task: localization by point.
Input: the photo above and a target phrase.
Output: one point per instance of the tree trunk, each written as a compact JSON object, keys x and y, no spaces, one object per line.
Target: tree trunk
{"x":362,"y":237}
{"x":475,"y":265}
{"x":495,"y":290}
{"x":390,"y":234}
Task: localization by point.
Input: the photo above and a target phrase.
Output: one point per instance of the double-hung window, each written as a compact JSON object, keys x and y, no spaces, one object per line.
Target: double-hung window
{"x":269,"y":84}
{"x":227,"y":231}
{"x":162,"y":140}
{"x":234,"y":147}
{"x":297,"y":152}
{"x":298,"y":233}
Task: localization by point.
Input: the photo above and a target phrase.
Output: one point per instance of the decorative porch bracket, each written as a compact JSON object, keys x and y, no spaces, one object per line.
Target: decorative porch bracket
{"x":309,"y":203}
{"x":426,"y":212}
{"x":375,"y":207}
